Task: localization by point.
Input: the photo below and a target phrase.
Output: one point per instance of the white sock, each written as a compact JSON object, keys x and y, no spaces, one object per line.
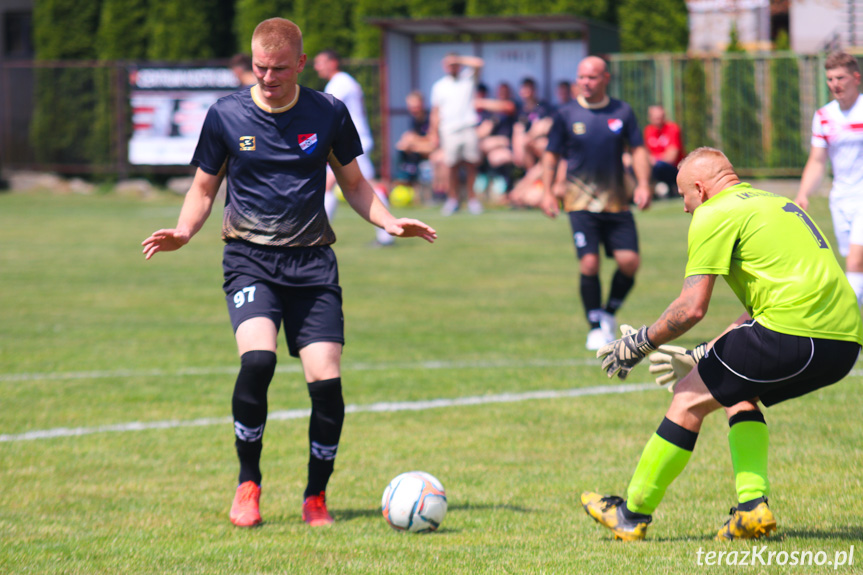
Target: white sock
{"x":856,"y":281}
{"x":382,"y":236}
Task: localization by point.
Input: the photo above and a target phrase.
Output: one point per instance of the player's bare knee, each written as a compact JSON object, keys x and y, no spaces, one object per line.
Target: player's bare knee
{"x":691,"y":396}
{"x":628,"y":262}
{"x":589,"y":265}
{"x":730,"y":412}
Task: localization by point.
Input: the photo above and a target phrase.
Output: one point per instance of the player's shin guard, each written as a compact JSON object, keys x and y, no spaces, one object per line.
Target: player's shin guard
{"x":748,"y":441}
{"x":856,"y":281}
{"x":249,"y":406}
{"x":591,"y":298}
{"x":621,"y":285}
{"x":663,"y":459}
{"x":325,"y":428}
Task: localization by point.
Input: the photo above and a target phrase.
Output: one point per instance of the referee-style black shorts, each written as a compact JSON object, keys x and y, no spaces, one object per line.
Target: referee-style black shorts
{"x":295,"y":286}
{"x":616,"y":231}
{"x":752,"y":361}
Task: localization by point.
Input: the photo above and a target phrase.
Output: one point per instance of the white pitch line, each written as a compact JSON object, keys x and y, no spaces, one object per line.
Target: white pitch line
{"x":296,"y":368}
{"x":384,"y":407}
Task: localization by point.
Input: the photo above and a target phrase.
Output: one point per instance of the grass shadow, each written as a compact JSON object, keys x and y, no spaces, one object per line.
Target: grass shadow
{"x":349,"y":514}
{"x":853,"y":532}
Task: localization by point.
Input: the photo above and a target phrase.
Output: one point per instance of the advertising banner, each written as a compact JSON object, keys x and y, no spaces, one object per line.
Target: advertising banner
{"x":168,"y":109}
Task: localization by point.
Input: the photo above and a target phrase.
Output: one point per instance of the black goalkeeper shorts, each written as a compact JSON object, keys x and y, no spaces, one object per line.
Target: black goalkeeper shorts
{"x":752,"y":362}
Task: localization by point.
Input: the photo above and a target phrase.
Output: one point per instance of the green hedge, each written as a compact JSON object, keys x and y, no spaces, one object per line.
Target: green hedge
{"x":741,"y":130}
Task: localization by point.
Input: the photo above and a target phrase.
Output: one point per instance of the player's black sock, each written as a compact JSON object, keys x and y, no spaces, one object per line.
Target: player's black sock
{"x":249,"y":406}
{"x":621,"y":284}
{"x":505,"y":171}
{"x":325,"y":428}
{"x":591,"y":298}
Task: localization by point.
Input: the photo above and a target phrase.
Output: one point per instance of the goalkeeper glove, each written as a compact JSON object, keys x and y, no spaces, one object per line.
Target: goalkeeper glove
{"x":671,"y":363}
{"x":623,"y":354}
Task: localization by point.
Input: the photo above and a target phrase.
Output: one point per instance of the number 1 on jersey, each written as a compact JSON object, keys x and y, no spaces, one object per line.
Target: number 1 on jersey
{"x":804,"y":217}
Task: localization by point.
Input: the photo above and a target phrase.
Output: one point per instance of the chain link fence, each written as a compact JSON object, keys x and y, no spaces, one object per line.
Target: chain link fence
{"x":75,"y":117}
{"x":756,"y":108}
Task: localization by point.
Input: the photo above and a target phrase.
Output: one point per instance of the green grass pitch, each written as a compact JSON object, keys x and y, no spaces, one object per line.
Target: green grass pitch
{"x":92,"y":335}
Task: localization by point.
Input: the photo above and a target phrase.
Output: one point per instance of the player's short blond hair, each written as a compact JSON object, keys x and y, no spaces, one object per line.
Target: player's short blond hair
{"x":842,"y":60}
{"x":276,"y":34}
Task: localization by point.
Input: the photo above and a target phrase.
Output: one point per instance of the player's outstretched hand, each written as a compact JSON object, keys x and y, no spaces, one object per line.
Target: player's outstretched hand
{"x":408,"y":228}
{"x":549,"y":205}
{"x":671,"y":363}
{"x":164,"y":241}
{"x":621,"y":355}
{"x":642,"y":197}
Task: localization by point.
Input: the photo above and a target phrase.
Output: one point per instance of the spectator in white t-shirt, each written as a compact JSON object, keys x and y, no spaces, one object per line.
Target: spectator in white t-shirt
{"x":453,"y":124}
{"x":343,"y":86}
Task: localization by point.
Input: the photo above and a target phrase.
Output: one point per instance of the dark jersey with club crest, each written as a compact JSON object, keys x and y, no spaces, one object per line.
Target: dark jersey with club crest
{"x":592,"y":140}
{"x":275,"y":162}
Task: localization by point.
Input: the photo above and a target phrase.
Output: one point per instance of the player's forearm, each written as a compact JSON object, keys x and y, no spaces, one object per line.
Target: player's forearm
{"x":813,"y":173}
{"x":549,"y":169}
{"x":494,"y":105}
{"x":669,"y":155}
{"x":684,"y":312}
{"x":365,"y":202}
{"x":434,"y":123}
{"x":641,"y":165}
{"x":195,"y":211}
{"x":471,"y":61}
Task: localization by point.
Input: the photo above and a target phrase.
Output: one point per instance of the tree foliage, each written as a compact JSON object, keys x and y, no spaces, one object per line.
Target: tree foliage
{"x":367,"y":38}
{"x":250,"y":13}
{"x":122,"y":33}
{"x":786,"y":148}
{"x":326,"y":24}
{"x":741,"y":130}
{"x":64,"y":30}
{"x":188,"y":30}
{"x":657,"y":26}
{"x":697,"y":110}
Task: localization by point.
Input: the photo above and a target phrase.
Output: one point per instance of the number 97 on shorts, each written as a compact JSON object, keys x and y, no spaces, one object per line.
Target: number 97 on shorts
{"x":247,"y":294}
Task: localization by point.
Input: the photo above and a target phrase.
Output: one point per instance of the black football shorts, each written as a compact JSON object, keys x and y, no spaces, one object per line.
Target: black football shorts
{"x":616,"y":231}
{"x":297,"y":287}
{"x":752,"y":361}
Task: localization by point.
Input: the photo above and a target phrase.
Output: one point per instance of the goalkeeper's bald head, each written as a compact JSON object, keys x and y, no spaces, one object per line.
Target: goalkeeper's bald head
{"x":702,"y":174}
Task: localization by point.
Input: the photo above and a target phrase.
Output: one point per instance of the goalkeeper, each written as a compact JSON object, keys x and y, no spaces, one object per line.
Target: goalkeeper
{"x":801,"y":331}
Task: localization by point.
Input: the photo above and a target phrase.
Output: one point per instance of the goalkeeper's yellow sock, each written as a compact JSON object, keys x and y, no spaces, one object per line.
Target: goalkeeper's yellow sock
{"x":748,"y":441}
{"x":663,"y":459}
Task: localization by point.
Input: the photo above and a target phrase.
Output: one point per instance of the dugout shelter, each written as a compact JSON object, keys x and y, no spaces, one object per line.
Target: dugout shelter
{"x":547,"y":48}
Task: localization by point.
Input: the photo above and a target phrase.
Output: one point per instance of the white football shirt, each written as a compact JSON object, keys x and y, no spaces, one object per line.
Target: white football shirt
{"x":343,"y":86}
{"x":453,"y":97}
{"x":841,"y":132}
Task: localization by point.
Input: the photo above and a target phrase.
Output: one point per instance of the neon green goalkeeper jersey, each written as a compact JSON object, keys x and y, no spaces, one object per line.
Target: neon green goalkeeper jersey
{"x":777,"y":262}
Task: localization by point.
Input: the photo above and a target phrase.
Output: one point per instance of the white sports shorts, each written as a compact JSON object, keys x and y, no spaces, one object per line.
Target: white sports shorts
{"x":460,"y":146}
{"x":847,"y":224}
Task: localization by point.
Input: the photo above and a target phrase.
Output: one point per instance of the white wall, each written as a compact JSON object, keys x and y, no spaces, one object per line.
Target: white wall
{"x":812,"y":23}
{"x":710,"y":23}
